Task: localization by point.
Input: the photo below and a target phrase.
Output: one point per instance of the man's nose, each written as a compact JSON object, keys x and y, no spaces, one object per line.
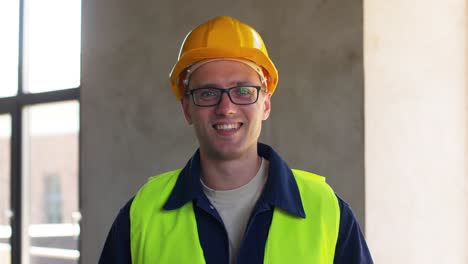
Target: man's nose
{"x":225,"y":106}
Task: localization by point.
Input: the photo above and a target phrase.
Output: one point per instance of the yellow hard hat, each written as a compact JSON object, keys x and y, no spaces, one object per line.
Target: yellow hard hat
{"x":222,"y":37}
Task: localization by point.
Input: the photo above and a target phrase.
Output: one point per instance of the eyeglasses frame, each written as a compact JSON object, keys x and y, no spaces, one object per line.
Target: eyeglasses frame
{"x":222,"y":91}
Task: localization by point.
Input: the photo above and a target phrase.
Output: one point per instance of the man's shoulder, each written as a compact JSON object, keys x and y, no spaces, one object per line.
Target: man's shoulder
{"x":160,"y":181}
{"x":306,"y":175}
{"x":154,"y":194}
{"x":312,"y":182}
{"x":164,"y":175}
{"x":315,"y":192}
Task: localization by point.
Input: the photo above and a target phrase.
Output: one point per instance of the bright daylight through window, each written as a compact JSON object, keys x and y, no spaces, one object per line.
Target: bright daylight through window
{"x":52,"y":45}
{"x":9,"y":31}
{"x":51,"y":174}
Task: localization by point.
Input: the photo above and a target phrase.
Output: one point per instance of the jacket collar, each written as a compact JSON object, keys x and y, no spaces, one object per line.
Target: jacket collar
{"x":280,"y":189}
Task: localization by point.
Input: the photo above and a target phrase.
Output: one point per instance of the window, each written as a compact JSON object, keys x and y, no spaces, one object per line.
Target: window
{"x":51,"y":177}
{"x":39,"y":131}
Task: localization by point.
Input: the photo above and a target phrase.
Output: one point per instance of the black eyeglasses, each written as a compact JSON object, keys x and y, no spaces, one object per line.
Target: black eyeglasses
{"x":211,"y":96}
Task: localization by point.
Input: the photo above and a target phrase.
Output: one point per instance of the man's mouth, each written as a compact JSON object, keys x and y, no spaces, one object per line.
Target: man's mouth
{"x":227,"y":127}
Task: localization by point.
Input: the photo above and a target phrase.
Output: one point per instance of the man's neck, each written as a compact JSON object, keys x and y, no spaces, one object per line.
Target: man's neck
{"x":229,"y":174}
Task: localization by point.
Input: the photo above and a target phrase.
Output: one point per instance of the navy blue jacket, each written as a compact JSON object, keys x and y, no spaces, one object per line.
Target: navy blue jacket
{"x":280,"y":191}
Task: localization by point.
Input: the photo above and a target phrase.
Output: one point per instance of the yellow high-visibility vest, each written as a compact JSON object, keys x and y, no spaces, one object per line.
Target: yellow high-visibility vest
{"x":171,"y":236}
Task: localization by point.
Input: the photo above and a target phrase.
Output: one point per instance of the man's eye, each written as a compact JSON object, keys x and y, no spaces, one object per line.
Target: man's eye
{"x":208,"y":93}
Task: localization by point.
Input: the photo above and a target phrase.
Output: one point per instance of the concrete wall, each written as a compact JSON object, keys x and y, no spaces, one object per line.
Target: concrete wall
{"x":132,"y":127}
{"x":416,"y":131}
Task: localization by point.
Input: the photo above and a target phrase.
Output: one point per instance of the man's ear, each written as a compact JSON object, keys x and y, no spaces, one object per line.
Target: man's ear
{"x":267,"y":106}
{"x":185,"y":102}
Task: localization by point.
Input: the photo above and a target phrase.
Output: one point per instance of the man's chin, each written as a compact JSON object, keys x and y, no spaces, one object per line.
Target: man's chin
{"x":225,"y":153}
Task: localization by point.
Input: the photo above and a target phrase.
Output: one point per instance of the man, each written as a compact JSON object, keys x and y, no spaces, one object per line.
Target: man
{"x":236,"y":200}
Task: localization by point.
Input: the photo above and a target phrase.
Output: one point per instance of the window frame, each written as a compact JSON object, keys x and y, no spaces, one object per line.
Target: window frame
{"x":14,"y":106}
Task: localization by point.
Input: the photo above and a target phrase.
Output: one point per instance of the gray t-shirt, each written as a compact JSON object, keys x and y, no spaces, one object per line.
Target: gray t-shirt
{"x":235,"y":206}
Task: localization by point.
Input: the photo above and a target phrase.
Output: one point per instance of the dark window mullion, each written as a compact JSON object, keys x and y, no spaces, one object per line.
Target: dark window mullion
{"x":16,"y":182}
{"x":7,"y":104}
{"x":49,"y":97}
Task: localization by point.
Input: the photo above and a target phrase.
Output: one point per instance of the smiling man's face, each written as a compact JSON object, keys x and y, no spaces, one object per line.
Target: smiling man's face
{"x":226,"y":131}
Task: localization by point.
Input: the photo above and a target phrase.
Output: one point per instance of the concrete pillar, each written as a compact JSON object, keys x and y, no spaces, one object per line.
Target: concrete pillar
{"x":416,"y":130}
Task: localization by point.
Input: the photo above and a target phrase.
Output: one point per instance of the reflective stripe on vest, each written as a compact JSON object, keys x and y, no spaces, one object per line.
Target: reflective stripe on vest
{"x":171,"y":236}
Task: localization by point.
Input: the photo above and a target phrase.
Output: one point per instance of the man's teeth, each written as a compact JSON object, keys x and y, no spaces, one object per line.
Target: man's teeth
{"x":227,"y":126}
